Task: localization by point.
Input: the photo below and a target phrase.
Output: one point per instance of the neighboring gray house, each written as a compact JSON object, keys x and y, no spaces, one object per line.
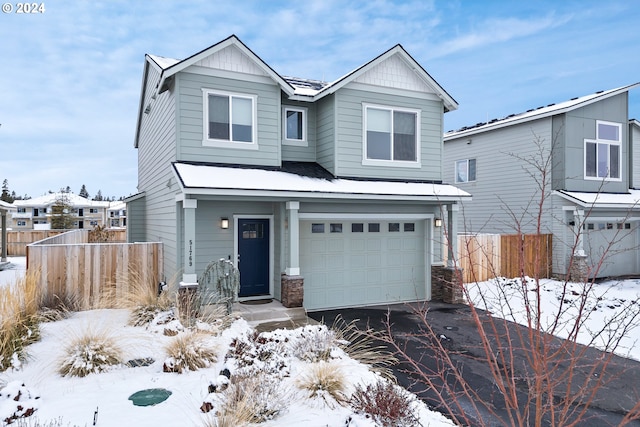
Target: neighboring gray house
{"x":591,"y":206}
{"x":330,"y":189}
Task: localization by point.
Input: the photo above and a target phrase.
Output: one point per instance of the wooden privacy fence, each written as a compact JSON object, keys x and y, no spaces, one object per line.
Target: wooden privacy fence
{"x":485,"y":256}
{"x":17,"y":240}
{"x":88,"y":271}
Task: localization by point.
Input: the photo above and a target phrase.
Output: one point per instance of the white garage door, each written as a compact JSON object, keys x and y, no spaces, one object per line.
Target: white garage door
{"x":352,"y":263}
{"x":615,"y":244}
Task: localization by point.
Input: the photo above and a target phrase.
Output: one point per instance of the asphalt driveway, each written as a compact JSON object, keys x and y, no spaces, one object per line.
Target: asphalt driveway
{"x":453,"y":323}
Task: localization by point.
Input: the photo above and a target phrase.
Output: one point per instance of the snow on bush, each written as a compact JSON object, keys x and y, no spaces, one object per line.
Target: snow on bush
{"x":324,"y":382}
{"x":92,"y":352}
{"x":190,"y":351}
{"x":386,"y":404}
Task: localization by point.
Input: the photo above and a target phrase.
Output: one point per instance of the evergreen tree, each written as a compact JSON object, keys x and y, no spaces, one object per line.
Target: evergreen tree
{"x":98,"y":197}
{"x":6,"y":196}
{"x":83,"y":192}
{"x":62,"y":213}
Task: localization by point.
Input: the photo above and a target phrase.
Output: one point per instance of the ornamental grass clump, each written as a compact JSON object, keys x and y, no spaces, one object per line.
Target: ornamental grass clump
{"x":92,"y":352}
{"x":252,"y":399}
{"x":189,"y":351}
{"x":326,"y":382}
{"x":19,"y":321}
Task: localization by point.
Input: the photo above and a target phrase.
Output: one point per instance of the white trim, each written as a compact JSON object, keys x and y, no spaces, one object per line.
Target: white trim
{"x":609,"y":144}
{"x":355,"y":216}
{"x":455,"y":170}
{"x":305,"y":114}
{"x":223,"y":143}
{"x":614,"y":124}
{"x":271,"y":250}
{"x":391,"y":163}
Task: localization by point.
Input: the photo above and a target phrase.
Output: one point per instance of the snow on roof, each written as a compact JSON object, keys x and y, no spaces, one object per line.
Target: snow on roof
{"x":50,"y":199}
{"x":209,"y":179}
{"x":4,"y":206}
{"x":163,"y":62}
{"x":630,"y":200}
{"x":537,"y":113}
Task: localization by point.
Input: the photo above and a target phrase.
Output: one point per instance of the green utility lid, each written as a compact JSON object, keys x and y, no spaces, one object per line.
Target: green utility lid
{"x":150,"y":396}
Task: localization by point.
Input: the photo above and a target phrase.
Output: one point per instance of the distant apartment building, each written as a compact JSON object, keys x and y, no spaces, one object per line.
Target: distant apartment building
{"x":37,"y":213}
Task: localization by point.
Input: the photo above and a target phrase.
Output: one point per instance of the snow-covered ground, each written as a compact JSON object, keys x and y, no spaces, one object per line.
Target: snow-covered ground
{"x":607,"y":307}
{"x":16,"y":269}
{"x":77,"y":400}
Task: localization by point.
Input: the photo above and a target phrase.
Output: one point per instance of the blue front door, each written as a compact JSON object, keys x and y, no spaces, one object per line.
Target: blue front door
{"x":253,"y":256}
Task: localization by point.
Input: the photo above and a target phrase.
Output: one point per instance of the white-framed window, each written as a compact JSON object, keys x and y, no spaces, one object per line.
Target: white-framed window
{"x":465,"y":170}
{"x":22,"y":223}
{"x":602,"y":155}
{"x":229,"y":119}
{"x":391,"y":136}
{"x":22,"y":210}
{"x":294,"y":127}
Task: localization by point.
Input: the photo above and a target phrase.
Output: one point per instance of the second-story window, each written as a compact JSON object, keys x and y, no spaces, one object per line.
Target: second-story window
{"x":295,"y":125}
{"x":465,"y":170}
{"x":602,"y":155}
{"x":391,"y":136}
{"x":229,"y":117}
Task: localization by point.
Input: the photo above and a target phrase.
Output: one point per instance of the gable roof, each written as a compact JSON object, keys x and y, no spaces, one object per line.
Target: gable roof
{"x":449,"y":103}
{"x":4,"y":206}
{"x":537,"y":113}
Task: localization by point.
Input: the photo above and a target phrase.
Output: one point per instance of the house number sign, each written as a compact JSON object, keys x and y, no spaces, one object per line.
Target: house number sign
{"x":190,"y":253}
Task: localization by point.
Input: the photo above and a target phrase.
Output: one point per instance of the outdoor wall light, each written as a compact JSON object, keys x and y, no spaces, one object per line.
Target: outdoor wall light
{"x":224,"y":223}
{"x":438,"y":222}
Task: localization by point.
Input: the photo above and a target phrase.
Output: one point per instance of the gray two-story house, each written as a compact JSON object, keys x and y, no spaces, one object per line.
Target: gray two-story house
{"x":575,"y":159}
{"x":328,"y":190}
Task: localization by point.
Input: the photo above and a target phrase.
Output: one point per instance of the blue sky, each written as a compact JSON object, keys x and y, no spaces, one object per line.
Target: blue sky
{"x":70,"y":77}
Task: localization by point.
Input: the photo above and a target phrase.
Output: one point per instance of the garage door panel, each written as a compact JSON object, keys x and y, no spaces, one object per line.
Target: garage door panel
{"x":615,"y":244}
{"x":355,"y":268}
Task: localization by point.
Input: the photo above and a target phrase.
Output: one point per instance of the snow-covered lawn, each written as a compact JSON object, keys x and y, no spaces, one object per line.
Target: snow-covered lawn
{"x":607,"y":307}
{"x":104,"y":395}
{"x":16,"y":269}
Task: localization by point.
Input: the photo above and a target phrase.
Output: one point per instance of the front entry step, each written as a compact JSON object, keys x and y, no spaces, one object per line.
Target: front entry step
{"x":271,"y":311}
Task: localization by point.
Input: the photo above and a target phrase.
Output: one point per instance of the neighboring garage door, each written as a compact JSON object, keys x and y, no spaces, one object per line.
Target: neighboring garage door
{"x":614,"y":243}
{"x":353,"y":263}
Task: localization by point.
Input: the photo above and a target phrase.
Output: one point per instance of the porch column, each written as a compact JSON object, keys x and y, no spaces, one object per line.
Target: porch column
{"x":3,"y":225}
{"x":452,"y":233}
{"x":189,"y":269}
{"x":292,"y":284}
{"x":578,"y":221}
{"x":293,"y":263}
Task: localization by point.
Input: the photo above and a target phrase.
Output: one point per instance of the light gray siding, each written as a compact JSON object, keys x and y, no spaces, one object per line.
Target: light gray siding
{"x":136,"y":220}
{"x":190,"y":121}
{"x":580,"y":124}
{"x":298,"y":153}
{"x":326,"y":133}
{"x":350,"y":135}
{"x":506,"y":192}
{"x":634,"y":158}
{"x":156,"y":151}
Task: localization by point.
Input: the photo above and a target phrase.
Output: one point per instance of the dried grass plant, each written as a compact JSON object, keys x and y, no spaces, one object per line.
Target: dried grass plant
{"x":325,"y":381}
{"x":252,"y":399}
{"x":19,"y":322}
{"x":189,"y":351}
{"x":90,"y":352}
{"x":365,"y":347}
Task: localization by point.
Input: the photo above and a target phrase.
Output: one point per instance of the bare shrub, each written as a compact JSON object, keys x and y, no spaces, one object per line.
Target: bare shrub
{"x":386,"y":403}
{"x":324,"y":381}
{"x":91,"y":352}
{"x":189,"y":351}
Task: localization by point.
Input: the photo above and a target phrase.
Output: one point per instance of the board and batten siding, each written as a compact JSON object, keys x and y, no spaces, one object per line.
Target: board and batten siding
{"x":580,"y":124}
{"x":191,"y":121}
{"x":350,"y":134}
{"x":295,"y":152}
{"x":504,"y":185}
{"x":634,"y":144}
{"x":136,"y":220}
{"x":156,"y":151}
